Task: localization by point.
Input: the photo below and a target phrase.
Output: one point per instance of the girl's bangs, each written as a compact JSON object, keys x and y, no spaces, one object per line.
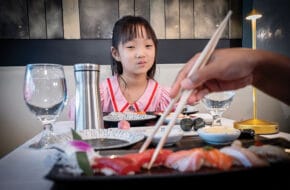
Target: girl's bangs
{"x":134,"y":31}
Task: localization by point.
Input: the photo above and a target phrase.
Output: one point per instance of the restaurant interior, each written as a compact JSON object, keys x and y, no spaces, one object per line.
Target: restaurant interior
{"x":79,"y":31}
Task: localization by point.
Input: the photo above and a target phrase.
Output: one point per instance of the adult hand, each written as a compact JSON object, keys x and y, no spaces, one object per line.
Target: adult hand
{"x":226,"y":70}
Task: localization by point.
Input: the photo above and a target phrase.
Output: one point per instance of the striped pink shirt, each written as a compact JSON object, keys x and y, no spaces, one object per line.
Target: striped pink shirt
{"x":154,"y":99}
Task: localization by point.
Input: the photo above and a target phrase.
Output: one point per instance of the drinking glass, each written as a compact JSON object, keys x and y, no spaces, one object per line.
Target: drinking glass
{"x":45,"y":94}
{"x":217,"y":103}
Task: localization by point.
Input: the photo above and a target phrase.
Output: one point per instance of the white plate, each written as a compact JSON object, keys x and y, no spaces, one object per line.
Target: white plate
{"x":133,"y":118}
{"x":118,"y":116}
{"x":147,"y":130}
{"x":174,"y":136}
{"x":110,"y":138}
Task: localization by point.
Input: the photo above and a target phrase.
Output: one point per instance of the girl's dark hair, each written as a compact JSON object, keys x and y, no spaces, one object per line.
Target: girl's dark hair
{"x":126,"y":29}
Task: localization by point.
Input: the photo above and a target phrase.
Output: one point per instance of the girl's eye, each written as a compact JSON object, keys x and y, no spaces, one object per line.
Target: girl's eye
{"x":149,"y":45}
{"x":130,"y":47}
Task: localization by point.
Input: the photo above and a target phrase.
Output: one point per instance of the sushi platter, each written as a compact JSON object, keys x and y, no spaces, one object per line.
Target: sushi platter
{"x":168,"y":176}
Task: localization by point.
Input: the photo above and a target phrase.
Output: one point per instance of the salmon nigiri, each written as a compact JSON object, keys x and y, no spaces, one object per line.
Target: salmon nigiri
{"x":215,"y":158}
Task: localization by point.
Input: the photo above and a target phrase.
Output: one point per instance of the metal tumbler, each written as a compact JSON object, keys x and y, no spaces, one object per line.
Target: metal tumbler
{"x":88,"y":112}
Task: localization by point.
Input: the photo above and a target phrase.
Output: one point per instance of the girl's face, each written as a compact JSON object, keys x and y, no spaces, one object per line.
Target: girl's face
{"x":136,"y":56}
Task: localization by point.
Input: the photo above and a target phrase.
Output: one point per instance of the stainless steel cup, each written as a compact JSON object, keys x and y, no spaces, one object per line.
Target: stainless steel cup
{"x":88,"y":112}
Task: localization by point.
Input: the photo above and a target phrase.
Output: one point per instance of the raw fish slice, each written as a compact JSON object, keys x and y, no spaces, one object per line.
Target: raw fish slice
{"x":215,"y":158}
{"x":115,"y":166}
{"x":254,"y":159}
{"x":185,"y":159}
{"x":227,"y":162}
{"x":270,"y":153}
{"x":211,"y":158}
{"x":182,"y":163}
{"x":143,"y":159}
{"x":191,"y":162}
{"x":162,"y":156}
{"x":171,"y":160}
{"x":245,"y":156}
{"x":139,"y":159}
{"x":236,"y":154}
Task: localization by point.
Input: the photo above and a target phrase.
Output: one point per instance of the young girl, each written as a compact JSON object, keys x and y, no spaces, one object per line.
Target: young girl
{"x":132,"y":86}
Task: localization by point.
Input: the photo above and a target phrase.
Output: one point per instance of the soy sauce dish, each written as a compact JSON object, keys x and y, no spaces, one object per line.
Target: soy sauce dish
{"x":218,"y":135}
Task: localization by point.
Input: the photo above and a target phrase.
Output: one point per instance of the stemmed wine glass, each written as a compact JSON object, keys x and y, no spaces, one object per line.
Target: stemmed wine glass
{"x":45,"y":94}
{"x":217,"y":103}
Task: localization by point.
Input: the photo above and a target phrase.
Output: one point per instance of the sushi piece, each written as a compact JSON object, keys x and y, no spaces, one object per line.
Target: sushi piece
{"x":270,"y":153}
{"x":172,"y":160}
{"x":243,"y":155}
{"x":217,"y":159}
{"x":128,"y":164}
{"x":239,"y":157}
{"x":194,"y":159}
{"x":115,"y":166}
{"x":143,"y":159}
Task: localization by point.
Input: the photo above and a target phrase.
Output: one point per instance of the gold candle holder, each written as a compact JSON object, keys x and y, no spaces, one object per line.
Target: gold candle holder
{"x":258,"y":125}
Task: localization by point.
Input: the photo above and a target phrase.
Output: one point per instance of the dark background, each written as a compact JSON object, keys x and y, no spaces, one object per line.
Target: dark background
{"x":273,"y":33}
{"x":33,"y":30}
{"x":68,"y":52}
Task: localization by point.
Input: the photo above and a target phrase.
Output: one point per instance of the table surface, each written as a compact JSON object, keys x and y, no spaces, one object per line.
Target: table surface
{"x":25,"y":168}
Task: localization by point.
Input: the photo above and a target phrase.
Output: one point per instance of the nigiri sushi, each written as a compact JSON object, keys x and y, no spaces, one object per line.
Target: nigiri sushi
{"x":270,"y":153}
{"x":115,"y":166}
{"x":243,"y":155}
{"x":194,"y":159}
{"x":143,"y":159}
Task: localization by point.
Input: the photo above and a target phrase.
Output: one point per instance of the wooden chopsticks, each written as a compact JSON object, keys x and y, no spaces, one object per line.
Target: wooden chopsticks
{"x":185,"y":94}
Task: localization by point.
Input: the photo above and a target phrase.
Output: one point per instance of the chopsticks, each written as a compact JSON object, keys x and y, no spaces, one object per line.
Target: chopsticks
{"x":185,"y":94}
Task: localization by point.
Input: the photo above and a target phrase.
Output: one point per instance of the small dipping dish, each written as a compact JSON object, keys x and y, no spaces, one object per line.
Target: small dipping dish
{"x":218,"y":135}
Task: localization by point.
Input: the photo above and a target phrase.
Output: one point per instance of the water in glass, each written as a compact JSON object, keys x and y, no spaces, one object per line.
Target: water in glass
{"x":45,"y":94}
{"x":217,"y":103}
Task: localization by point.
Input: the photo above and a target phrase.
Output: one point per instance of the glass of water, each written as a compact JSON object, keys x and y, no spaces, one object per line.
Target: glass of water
{"x":45,"y":94}
{"x":217,"y":103}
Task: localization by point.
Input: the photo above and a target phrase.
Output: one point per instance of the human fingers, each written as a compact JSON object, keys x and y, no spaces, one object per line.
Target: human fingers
{"x":176,"y":84}
{"x":234,"y":84}
{"x":215,"y":86}
{"x":181,"y":76}
{"x":197,"y":94}
{"x":199,"y":78}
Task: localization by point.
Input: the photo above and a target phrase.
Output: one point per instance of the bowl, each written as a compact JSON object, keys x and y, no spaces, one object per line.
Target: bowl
{"x":218,"y":135}
{"x":174,"y":136}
